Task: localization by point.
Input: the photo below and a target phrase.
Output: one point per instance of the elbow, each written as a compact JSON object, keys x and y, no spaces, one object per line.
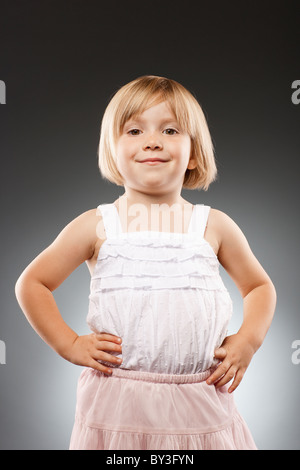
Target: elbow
{"x":267,"y":291}
{"x":25,"y":288}
{"x":265,"y":283}
{"x":270,"y":294}
{"x":273,"y":292}
{"x":271,"y":287}
{"x":19,"y":287}
{"x":22,"y":286}
{"x":270,"y":290}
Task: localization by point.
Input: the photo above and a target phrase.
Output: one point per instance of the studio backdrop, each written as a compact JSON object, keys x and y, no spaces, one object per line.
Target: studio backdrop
{"x":60,"y":64}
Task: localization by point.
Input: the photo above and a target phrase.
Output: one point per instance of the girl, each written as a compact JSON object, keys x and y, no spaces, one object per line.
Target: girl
{"x":159,"y":369}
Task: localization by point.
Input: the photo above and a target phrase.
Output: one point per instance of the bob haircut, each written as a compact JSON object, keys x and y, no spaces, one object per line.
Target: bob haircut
{"x":137,"y":96}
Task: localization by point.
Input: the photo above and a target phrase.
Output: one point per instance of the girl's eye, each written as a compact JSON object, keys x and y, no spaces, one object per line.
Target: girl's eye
{"x":170,"y":131}
{"x":134,"y":132}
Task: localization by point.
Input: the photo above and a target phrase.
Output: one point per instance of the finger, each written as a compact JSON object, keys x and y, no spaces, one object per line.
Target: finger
{"x":218,"y":373}
{"x":226,"y":378}
{"x":220,"y":353}
{"x":102,"y":356}
{"x":108,"y":346}
{"x":236,"y":382}
{"x":108,"y":337}
{"x":100,"y":367}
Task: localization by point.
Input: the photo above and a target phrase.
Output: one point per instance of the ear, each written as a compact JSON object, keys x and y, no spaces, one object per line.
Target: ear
{"x":192,"y":163}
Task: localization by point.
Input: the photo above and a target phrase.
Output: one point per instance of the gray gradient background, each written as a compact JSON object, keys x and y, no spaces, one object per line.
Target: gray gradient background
{"x":61,"y":62}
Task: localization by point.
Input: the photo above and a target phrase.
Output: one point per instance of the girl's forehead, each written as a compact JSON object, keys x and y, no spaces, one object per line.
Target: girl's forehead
{"x":158,"y":111}
{"x":172,"y":109}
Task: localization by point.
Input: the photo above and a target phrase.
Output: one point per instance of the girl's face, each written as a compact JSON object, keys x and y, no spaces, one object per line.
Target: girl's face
{"x":153,"y":152}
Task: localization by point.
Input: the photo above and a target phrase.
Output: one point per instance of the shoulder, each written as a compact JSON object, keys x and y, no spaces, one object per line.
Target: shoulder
{"x":235,"y":254}
{"x":86,"y":221}
{"x":82,"y":232}
{"x":223,"y":231}
{"x":74,"y":244}
{"x":222,"y":224}
{"x":89,"y":225}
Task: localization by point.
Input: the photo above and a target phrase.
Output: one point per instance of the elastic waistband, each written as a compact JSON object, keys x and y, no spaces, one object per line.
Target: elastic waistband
{"x":161,"y":378}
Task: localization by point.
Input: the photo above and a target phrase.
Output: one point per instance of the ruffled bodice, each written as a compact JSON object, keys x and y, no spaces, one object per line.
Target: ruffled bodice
{"x":162,"y":294}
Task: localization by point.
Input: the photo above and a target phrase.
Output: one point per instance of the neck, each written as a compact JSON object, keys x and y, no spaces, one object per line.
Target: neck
{"x":154,"y":213}
{"x":137,"y":197}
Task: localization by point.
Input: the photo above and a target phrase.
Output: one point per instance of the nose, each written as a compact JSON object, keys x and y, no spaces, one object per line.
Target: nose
{"x":152,"y":142}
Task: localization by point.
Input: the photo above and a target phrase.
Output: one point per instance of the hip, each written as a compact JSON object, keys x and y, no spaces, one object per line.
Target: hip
{"x":143,"y":410}
{"x":129,"y":400}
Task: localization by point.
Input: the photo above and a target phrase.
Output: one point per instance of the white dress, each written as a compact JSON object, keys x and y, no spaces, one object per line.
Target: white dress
{"x":162,"y":294}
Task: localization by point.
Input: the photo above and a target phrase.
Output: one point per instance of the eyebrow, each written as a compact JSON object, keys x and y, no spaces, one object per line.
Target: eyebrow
{"x":141,"y":120}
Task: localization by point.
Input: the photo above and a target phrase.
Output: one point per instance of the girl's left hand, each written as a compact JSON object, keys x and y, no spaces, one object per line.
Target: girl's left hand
{"x":235,"y":355}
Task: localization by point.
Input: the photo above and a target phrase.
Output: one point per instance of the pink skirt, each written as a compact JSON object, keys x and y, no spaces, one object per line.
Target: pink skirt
{"x":133,"y":410}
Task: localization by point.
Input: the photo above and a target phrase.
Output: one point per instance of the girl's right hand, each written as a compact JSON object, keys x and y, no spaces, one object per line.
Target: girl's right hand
{"x":87,"y":350}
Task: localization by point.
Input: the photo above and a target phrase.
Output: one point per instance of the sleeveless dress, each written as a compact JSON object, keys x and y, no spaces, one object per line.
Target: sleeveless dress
{"x":162,"y":293}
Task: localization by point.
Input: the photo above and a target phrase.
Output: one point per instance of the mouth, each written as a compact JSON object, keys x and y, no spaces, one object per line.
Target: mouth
{"x":153,"y":161}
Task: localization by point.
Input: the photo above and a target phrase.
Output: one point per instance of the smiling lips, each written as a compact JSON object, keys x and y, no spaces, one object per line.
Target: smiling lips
{"x":153,"y":161}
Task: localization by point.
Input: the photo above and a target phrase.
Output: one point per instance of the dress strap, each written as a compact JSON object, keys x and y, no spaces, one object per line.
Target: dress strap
{"x":199,"y":219}
{"x":111,"y":221}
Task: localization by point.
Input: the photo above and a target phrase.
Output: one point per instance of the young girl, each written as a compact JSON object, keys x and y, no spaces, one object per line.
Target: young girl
{"x":159,"y":369}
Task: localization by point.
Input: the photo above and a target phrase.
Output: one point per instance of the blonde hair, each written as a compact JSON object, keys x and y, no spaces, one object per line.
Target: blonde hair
{"x":137,"y":96}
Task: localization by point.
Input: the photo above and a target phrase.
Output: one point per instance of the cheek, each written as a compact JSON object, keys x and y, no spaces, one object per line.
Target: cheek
{"x":184,"y":150}
{"x":121,"y":154}
{"x":188,"y":145}
{"x":124,"y":158}
{"x":124,"y":149}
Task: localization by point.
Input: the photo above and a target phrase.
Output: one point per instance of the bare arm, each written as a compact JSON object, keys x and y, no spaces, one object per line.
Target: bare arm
{"x":43,"y":275}
{"x":259,"y":301}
